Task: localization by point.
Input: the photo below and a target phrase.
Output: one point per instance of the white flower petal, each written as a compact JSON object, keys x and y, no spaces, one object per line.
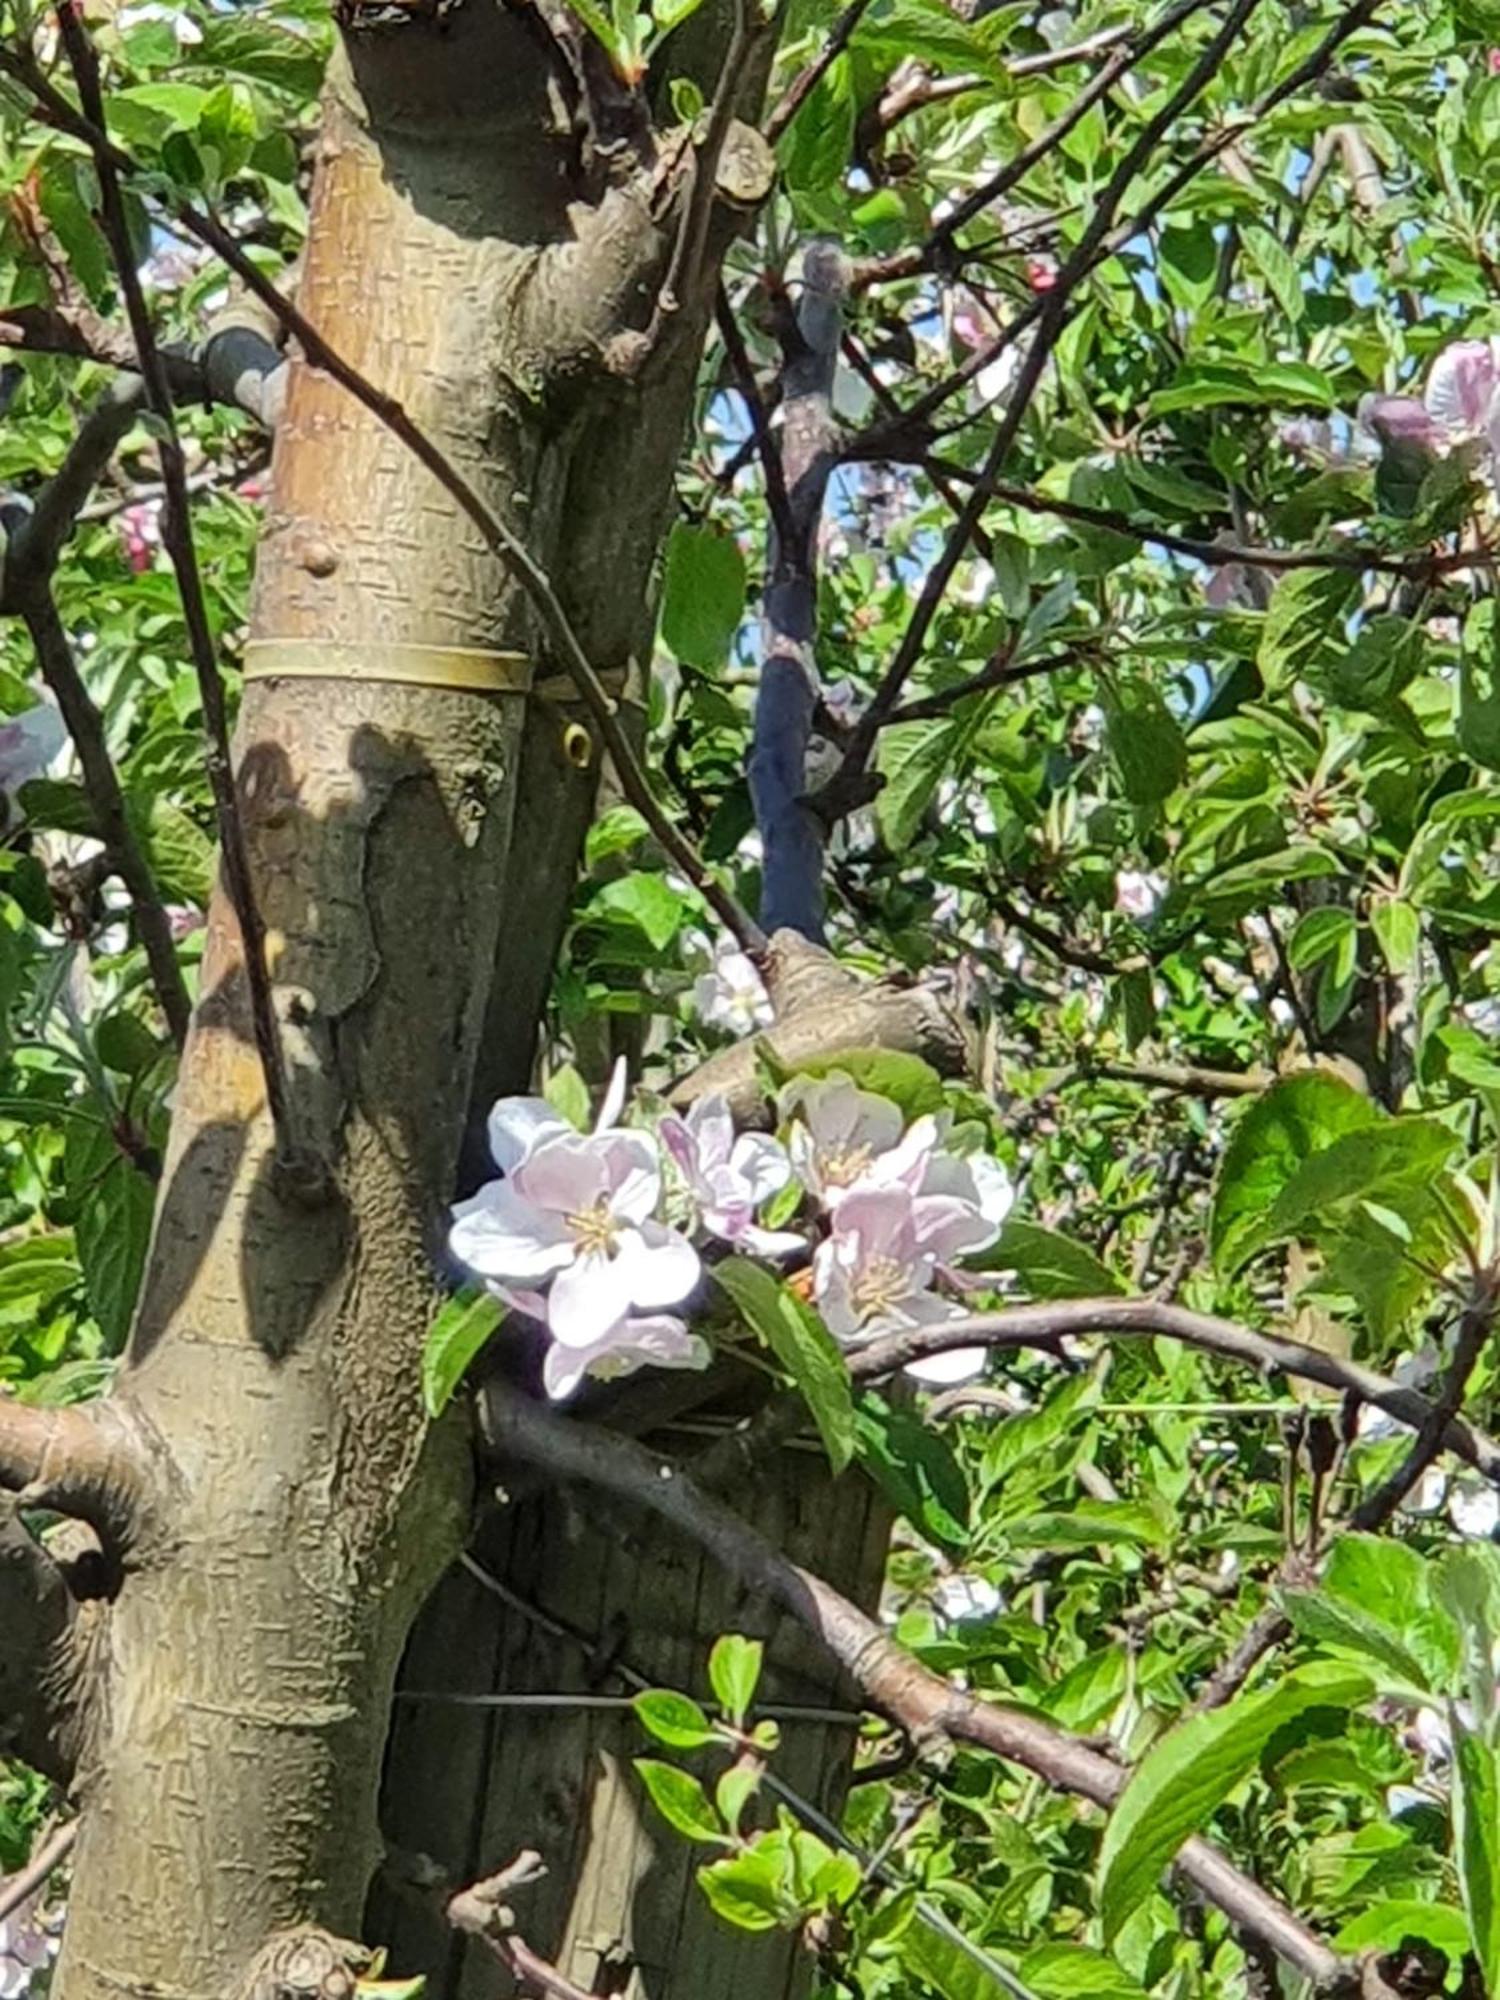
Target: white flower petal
{"x":632,"y":1168}
{"x":500,"y":1235}
{"x":656,"y":1266}
{"x":959,"y":1364}
{"x":519,"y":1123}
{"x":760,"y":1165}
{"x":614,"y":1099}
{"x":585,"y":1300}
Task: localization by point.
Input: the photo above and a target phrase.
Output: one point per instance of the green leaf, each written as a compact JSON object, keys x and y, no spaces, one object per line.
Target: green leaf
{"x":1322,"y":934}
{"x":462,"y":1326}
{"x":912,"y":757}
{"x":112,"y":1231}
{"x":568,"y":1094}
{"x":1049,"y":1265}
{"x":1018,"y":1439}
{"x":34,"y":1269}
{"x":1368,"y":1163}
{"x":1277,"y":266}
{"x":1306,"y":619}
{"x":917,"y":1469}
{"x":753,"y":1890}
{"x":1388,"y":1925}
{"x":1479,"y":685}
{"x":1398,"y":932}
{"x":674,"y":1719}
{"x":648,"y":901}
{"x":1347,"y":1629}
{"x":126,"y":1045}
{"x":1093,"y":1524}
{"x":179,"y":851}
{"x":734,"y":1791}
{"x":1476,"y":1842}
{"x":1207,"y":385}
{"x":802,"y":1344}
{"x":681,"y":1800}
{"x":734,"y":1674}
{"x":703,"y":595}
{"x":1061,"y":1971}
{"x":614,"y":832}
{"x":925,"y":31}
{"x":816,"y":147}
{"x":1185,"y":1776}
{"x":1293,"y":1120}
{"x":1145,"y":741}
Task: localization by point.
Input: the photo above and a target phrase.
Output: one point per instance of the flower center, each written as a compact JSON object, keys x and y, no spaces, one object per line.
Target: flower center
{"x":594,"y":1230}
{"x":843,"y":1165}
{"x":882,"y":1283}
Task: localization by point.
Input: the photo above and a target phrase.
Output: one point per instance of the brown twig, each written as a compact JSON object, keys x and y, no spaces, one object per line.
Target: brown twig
{"x":844,"y":789}
{"x":1114,"y":240}
{"x":1358,"y":558}
{"x":1065,"y":948}
{"x":925,"y":1706}
{"x":111,"y":815}
{"x":500,"y":539}
{"x":49,"y":1857}
{"x":1044,"y":1325}
{"x":177,"y":538}
{"x":482,"y":1912}
{"x":929,"y":255}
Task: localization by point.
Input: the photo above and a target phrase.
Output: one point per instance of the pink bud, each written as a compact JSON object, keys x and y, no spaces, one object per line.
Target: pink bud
{"x":1041,"y":273}
{"x":1493,"y":60}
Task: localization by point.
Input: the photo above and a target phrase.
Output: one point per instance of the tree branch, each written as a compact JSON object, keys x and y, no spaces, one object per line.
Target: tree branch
{"x":1421,"y":567}
{"x":787,"y":696}
{"x":81,"y":1460}
{"x":924,"y":1705}
{"x":498,"y":537}
{"x":481,"y":1910}
{"x":1045,"y":1325}
{"x":111,"y":817}
{"x":844,"y":790}
{"x":931,"y":254}
{"x":49,"y":1857}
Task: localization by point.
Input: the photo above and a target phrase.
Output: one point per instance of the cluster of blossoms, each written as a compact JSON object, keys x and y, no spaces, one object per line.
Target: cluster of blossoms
{"x":575,"y":1234}
{"x":28,"y":1946}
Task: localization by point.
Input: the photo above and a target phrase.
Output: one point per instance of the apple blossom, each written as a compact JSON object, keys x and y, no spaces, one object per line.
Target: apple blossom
{"x":576,"y":1209}
{"x":655,"y":1340}
{"x":874,"y":1273}
{"x":732,"y":996}
{"x":730,"y":1177}
{"x":837,"y":1131}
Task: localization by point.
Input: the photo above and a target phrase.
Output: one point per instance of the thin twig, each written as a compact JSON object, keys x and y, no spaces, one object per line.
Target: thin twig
{"x":761,"y":435}
{"x":929,"y":255}
{"x":1135,"y":225}
{"x":177,"y":538}
{"x":499,"y":538}
{"x":1045,"y":1324}
{"x":26,"y":1882}
{"x":846,"y":785}
{"x":686,"y":263}
{"x":1357,"y":557}
{"x":111,"y":815}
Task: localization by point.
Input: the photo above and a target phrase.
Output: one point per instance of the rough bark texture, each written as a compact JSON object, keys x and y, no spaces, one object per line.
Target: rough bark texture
{"x":412,"y":850}
{"x":232,"y":1779}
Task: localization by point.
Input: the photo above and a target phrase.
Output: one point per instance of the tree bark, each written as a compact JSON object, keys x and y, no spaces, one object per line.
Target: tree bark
{"x":304,"y":1509}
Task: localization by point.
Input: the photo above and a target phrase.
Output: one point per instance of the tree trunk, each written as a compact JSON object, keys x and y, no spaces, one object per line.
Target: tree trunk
{"x":230,"y":1778}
